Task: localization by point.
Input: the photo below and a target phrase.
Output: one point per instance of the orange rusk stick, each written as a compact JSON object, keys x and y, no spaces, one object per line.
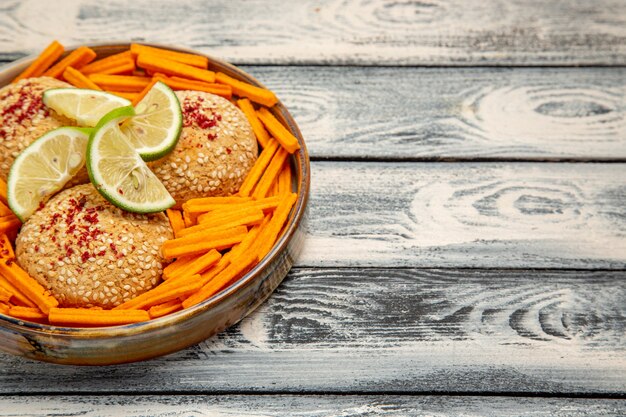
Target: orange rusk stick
{"x":188,"y":219}
{"x":242,"y":89}
{"x":259,"y":130}
{"x":83,"y":317}
{"x":284,"y":180}
{"x":6,"y":249}
{"x":163,"y":293}
{"x":145,"y":91}
{"x":205,"y":234}
{"x":175,"y":250}
{"x":176,"y":220}
{"x":177,"y":83}
{"x":257,"y":169}
{"x":264,"y":204}
{"x":124,"y":83}
{"x":271,"y":174}
{"x":199,"y":264}
{"x":169,"y":67}
{"x":4,"y":308}
{"x":189,"y":59}
{"x":179,"y":263}
{"x":43,"y":61}
{"x":124,"y":94}
{"x":278,"y":131}
{"x":236,"y":269}
{"x":9,"y":224}
{"x":28,"y":313}
{"x":27,"y":285}
{"x":77,"y":79}
{"x":269,"y":234}
{"x":163,"y":309}
{"x":105,"y":64}
{"x":123,"y":67}
{"x":76,"y":59}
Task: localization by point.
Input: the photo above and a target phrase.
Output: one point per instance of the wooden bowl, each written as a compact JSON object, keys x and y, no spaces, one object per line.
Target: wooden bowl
{"x":139,"y":341}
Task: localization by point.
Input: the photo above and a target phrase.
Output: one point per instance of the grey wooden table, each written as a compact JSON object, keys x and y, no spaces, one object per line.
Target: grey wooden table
{"x":466,"y":252}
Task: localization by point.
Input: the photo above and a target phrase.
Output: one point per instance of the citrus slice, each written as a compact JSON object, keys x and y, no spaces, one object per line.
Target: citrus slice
{"x":44,"y":167}
{"x":85,"y":106}
{"x":155,"y":128}
{"x":118,"y":172}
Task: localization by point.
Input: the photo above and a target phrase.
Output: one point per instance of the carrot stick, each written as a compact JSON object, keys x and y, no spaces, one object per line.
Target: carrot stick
{"x":259,"y":130}
{"x":257,"y":169}
{"x":3,"y":192}
{"x":123,"y":67}
{"x":284,"y":180}
{"x":4,"y":308}
{"x":9,"y":224}
{"x":76,"y":59}
{"x":124,"y":83}
{"x":177,"y":83}
{"x":271,"y":174}
{"x":77,"y":79}
{"x":265,"y":204}
{"x":176,"y":220}
{"x":205,"y":234}
{"x":27,"y":285}
{"x":104,"y":65}
{"x":188,"y":219}
{"x":235,"y":269}
{"x":179,"y":263}
{"x":163,"y":293}
{"x":145,"y":91}
{"x":5,"y":295}
{"x":5,"y":210}
{"x":28,"y":313}
{"x":247,"y":216}
{"x":43,"y":61}
{"x":269,"y":234}
{"x":82,"y":317}
{"x":242,"y":89}
{"x":199,"y":265}
{"x":185,"y":58}
{"x":169,"y":67}
{"x":278,"y":131}
{"x":6,"y":249}
{"x":163,"y":309}
{"x":124,"y":94}
{"x":218,"y":200}
{"x":175,"y":249}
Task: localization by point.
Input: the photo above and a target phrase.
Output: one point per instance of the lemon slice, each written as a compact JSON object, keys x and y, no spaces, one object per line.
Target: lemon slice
{"x":44,"y":167}
{"x":155,"y":128}
{"x":85,"y":106}
{"x":118,"y":172}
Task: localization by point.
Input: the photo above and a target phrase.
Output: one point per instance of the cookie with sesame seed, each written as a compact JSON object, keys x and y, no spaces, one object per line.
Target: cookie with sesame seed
{"x":88,"y":252}
{"x":24,"y":118}
{"x":215,"y":151}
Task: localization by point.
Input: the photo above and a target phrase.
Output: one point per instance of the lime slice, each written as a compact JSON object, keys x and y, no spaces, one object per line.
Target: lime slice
{"x":155,"y":129}
{"x":44,"y":167}
{"x":85,"y":106}
{"x":118,"y":172}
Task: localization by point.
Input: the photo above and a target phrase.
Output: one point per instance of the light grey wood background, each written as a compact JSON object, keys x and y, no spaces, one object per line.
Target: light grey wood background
{"x":466,"y":252}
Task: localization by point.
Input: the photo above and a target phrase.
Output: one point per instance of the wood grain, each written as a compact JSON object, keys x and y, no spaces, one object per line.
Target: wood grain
{"x":522,"y":215}
{"x":306,"y":406}
{"x":393,"y":330}
{"x":432,"y":32}
{"x":413,"y":113}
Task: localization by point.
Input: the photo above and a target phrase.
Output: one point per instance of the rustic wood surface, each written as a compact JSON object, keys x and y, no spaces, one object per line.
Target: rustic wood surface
{"x":393,"y":330}
{"x":431,"y":32}
{"x":466,"y":247}
{"x":308,"y":406}
{"x":456,"y":113}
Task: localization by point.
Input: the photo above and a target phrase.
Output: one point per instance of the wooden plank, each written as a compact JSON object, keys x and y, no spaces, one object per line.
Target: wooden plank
{"x":306,"y":406}
{"x":393,"y":330}
{"x":410,"y":113}
{"x":429,"y":32}
{"x":522,"y":215}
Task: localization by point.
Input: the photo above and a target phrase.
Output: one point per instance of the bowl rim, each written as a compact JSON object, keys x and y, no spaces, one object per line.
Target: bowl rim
{"x":302,"y":161}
